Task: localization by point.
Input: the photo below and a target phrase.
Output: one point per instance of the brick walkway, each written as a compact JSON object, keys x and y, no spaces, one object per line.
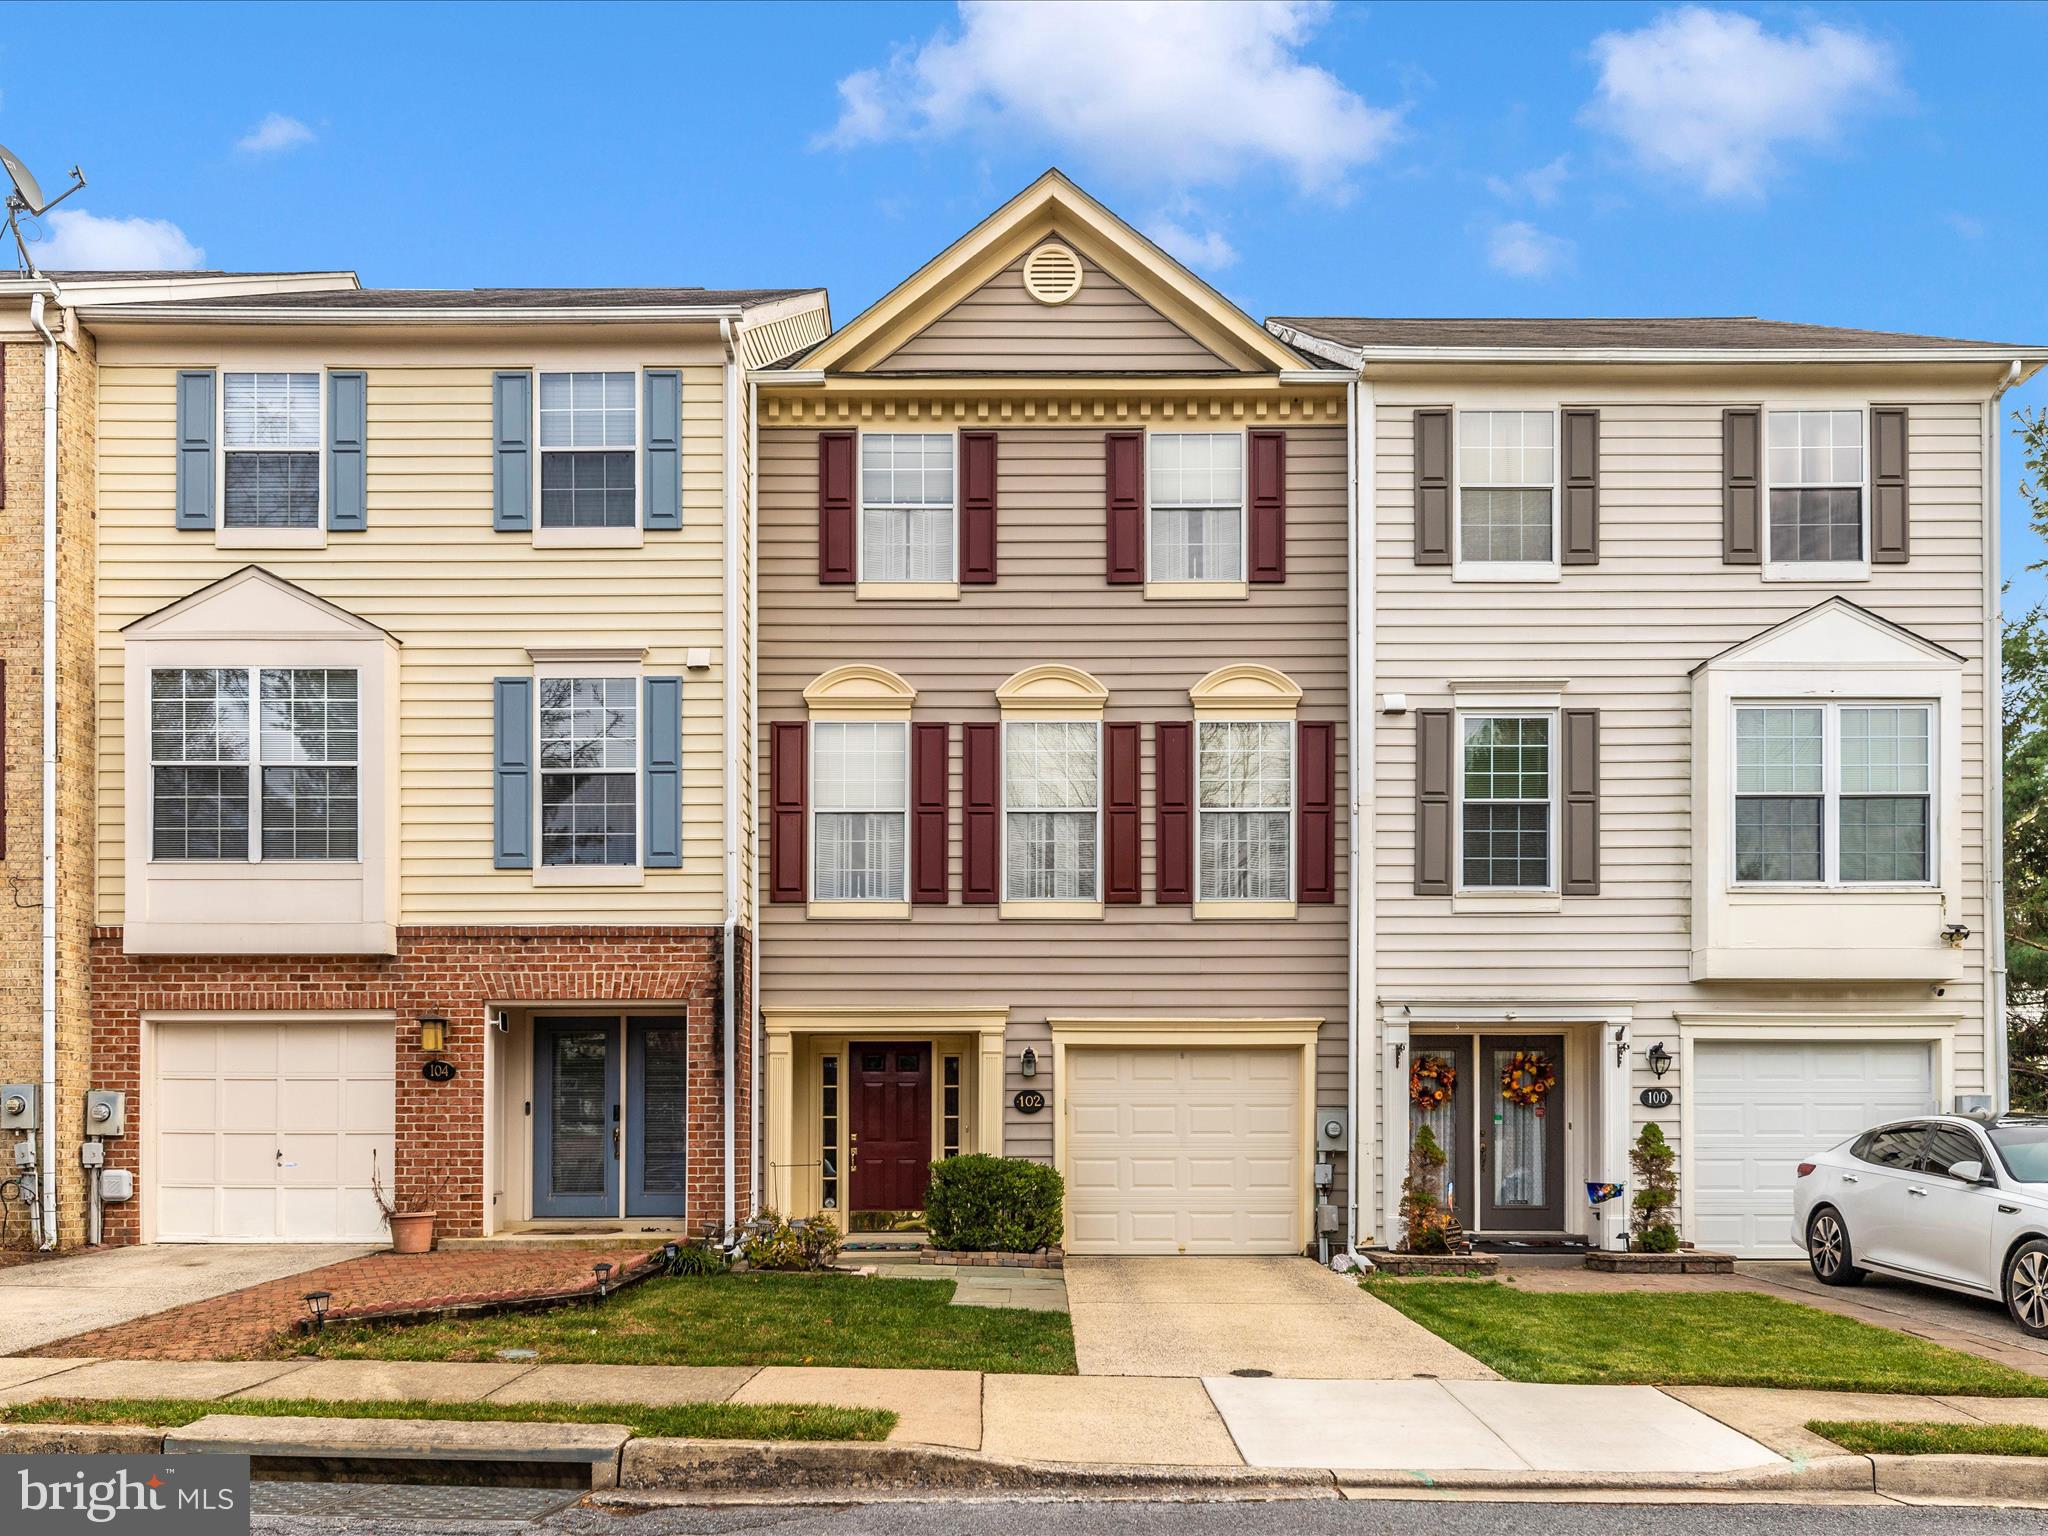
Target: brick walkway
{"x":247,"y":1324}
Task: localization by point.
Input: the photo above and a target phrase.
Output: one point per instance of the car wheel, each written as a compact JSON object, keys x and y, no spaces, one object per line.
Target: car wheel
{"x":1828,"y":1250}
{"x":2026,"y":1287}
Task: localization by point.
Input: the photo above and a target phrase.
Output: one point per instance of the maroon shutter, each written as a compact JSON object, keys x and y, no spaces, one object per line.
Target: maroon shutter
{"x":1124,"y":490}
{"x":1315,"y":873}
{"x":978,"y":509}
{"x":836,"y":480}
{"x":1123,"y":883}
{"x":1173,"y":812}
{"x":981,"y":846}
{"x":929,"y":805}
{"x":1268,"y":520}
{"x":787,"y":775}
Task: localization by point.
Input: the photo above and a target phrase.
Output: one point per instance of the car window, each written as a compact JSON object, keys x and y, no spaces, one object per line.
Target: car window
{"x":1949,"y":1144}
{"x":1896,"y":1146}
{"x":2024,"y":1147}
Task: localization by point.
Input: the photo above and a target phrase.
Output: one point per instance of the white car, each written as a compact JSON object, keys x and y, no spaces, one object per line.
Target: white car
{"x":1944,"y":1199}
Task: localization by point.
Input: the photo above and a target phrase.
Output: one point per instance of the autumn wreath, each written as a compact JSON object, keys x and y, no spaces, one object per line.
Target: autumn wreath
{"x":1528,"y":1078}
{"x":1431,"y":1081}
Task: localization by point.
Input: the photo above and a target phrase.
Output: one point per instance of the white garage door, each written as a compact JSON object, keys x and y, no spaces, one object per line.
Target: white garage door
{"x":1759,"y":1107}
{"x":1184,"y":1151}
{"x":265,"y":1132}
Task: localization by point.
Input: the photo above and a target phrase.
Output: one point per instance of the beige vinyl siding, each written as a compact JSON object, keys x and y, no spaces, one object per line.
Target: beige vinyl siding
{"x":465,"y":602}
{"x":1000,"y":328}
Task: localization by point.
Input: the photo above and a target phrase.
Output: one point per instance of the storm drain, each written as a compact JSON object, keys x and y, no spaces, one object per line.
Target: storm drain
{"x":408,"y":1501}
{"x":1250,"y":1370}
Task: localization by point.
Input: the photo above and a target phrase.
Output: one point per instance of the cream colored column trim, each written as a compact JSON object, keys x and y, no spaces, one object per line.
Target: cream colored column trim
{"x":781,"y":1120}
{"x":988,"y":1098}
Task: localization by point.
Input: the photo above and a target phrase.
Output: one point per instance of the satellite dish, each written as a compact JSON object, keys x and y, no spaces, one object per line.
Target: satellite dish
{"x":27,"y":197}
{"x":25,"y":186}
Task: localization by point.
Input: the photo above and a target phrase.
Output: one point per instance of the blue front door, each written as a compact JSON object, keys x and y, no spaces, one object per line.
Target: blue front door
{"x":657,"y":1116}
{"x":576,"y":1117}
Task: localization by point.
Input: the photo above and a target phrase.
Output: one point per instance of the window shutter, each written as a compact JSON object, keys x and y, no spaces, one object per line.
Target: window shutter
{"x":1891,"y":533}
{"x":1123,"y":863}
{"x":1173,"y":812}
{"x":1315,"y":828}
{"x":1580,"y":522}
{"x":1124,"y":491}
{"x":788,"y":776}
{"x":662,"y":788}
{"x":1433,"y":487}
{"x":347,"y":424}
{"x":836,"y":481}
{"x":930,"y":802}
{"x":512,"y":455}
{"x":512,"y":780}
{"x":981,"y":846}
{"x":1581,"y":832}
{"x":1435,"y":765}
{"x":1741,"y":486}
{"x":1268,"y":511}
{"x":195,"y":449}
{"x":978,"y":509}
{"x":661,"y":493}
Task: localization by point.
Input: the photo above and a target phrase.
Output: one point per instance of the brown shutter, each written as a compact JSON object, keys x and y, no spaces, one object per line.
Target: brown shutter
{"x":1433,"y":487}
{"x":1891,"y":534}
{"x":1268,"y":511}
{"x":929,"y":805}
{"x":1123,"y":881}
{"x":978,"y":509}
{"x":1315,"y":873}
{"x":1581,"y":832}
{"x":1173,"y":812}
{"x":1435,"y":764}
{"x":981,"y":748}
{"x":1580,"y":523}
{"x":787,"y":776}
{"x":1741,"y":487}
{"x":836,"y":495}
{"x":1124,"y":492}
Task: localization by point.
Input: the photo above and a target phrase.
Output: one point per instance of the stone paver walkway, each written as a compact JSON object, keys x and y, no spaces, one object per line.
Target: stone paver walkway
{"x":1030,"y":1290}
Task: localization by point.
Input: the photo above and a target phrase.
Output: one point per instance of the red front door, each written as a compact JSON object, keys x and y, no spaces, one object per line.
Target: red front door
{"x":890,"y":1122}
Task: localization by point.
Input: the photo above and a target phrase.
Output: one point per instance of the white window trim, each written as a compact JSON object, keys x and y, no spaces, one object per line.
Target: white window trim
{"x":899,"y":591}
{"x":595,"y":666}
{"x":1831,"y":786}
{"x":864,"y":906}
{"x":1810,"y":570}
{"x":225,"y":537}
{"x":1507,"y":570}
{"x":1547,"y":895}
{"x":1041,"y":906}
{"x":593,"y":538}
{"x":1220,"y":588}
{"x":1249,"y":907}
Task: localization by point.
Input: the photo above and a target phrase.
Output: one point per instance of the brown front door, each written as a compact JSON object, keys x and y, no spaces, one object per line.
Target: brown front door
{"x":890,"y":1126}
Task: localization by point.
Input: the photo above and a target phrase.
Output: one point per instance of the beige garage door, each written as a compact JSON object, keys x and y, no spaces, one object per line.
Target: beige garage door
{"x":1184,"y":1151}
{"x":264,"y":1133}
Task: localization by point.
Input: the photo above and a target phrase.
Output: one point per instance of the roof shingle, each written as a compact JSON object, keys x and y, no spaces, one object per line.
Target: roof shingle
{"x":1704,"y":332}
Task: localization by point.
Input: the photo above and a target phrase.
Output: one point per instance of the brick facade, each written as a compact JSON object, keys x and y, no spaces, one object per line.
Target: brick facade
{"x":453,"y":972}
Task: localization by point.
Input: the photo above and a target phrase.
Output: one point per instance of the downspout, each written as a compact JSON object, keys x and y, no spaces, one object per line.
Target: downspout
{"x":727,"y":657}
{"x":46,"y":1178}
{"x":1997,"y":1043}
{"x":754,"y":1075}
{"x":1359,"y":990}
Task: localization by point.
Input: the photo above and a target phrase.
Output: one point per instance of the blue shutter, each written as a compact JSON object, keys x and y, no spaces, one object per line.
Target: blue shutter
{"x":512,"y":777}
{"x":662,"y":787}
{"x":347,"y":501}
{"x":195,"y":449}
{"x":512,"y":456}
{"x":661,"y":496}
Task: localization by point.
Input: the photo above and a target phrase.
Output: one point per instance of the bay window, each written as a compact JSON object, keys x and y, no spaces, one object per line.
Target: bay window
{"x":1834,"y":794}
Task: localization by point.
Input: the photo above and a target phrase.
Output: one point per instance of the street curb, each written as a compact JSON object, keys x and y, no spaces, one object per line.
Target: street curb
{"x":1964,"y":1477}
{"x":79,"y":1439}
{"x":1821,"y":1474}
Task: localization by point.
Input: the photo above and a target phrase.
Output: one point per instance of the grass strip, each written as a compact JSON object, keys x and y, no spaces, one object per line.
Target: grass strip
{"x":1880,"y":1437}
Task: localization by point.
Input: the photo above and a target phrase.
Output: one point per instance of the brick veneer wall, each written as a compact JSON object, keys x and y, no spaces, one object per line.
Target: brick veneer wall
{"x":453,"y":972}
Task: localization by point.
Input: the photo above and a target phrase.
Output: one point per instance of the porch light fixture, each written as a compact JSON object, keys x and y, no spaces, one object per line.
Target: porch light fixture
{"x":317,"y":1303}
{"x":1659,"y":1059}
{"x":433,"y":1033}
{"x":1027,"y":1065}
{"x":669,"y":1252}
{"x":603,"y":1271}
{"x":1955,"y":934}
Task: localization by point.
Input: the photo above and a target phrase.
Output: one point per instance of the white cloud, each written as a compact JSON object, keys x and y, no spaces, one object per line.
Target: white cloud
{"x":274,"y":135}
{"x":1539,"y":186}
{"x":1196,"y":247}
{"x":1192,"y":93}
{"x":1523,"y":250}
{"x":78,"y":241}
{"x":1969,"y":226}
{"x":1712,"y":98}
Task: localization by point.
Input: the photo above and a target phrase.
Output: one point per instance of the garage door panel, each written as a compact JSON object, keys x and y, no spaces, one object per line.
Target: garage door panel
{"x":186,"y":1105}
{"x":184,"y":1213}
{"x":315,"y":1052}
{"x":183,"y":1159}
{"x":309,"y":1104}
{"x":1154,"y":1120}
{"x":250,"y":1102}
{"x":248,"y":1215}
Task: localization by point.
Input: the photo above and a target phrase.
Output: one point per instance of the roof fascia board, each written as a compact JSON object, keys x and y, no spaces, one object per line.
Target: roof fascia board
{"x":812,"y":382}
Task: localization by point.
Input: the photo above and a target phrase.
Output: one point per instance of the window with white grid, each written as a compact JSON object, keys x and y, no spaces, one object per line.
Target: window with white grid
{"x":1834,"y":794}
{"x":1504,"y":800}
{"x":906,"y":506}
{"x":1507,"y":487}
{"x":1196,"y":494}
{"x":1244,"y":810}
{"x":1052,"y":787}
{"x":588,"y":433}
{"x":1815,"y":467}
{"x":860,"y":809}
{"x":589,"y":770}
{"x":270,"y":438}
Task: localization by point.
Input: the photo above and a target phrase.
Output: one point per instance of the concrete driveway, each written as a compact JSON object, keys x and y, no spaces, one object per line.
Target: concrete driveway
{"x":55,"y":1298}
{"x":1216,"y":1316}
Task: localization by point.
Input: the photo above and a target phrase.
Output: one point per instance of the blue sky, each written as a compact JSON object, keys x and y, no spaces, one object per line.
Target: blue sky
{"x":1867,"y":165}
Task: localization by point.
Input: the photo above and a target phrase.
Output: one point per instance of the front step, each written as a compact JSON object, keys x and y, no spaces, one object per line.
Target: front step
{"x":884,"y":1247}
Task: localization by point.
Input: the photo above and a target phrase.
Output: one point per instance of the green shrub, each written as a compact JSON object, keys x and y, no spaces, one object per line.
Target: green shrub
{"x":780,"y":1244}
{"x":694,"y":1259}
{"x":1656,"y":1193}
{"x":1425,"y":1221}
{"x":981,"y":1204}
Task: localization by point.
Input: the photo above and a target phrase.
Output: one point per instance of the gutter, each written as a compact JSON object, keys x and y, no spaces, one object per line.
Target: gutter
{"x":46,"y":1179}
{"x":1997,"y":1041}
{"x":731,"y":684}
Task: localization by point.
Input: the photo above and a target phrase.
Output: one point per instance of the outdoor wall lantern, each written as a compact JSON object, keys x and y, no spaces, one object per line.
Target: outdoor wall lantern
{"x":1659,"y":1059}
{"x":603,"y":1271}
{"x":317,"y":1303}
{"x":1955,"y":934}
{"x":433,"y":1033}
{"x":1027,"y":1065}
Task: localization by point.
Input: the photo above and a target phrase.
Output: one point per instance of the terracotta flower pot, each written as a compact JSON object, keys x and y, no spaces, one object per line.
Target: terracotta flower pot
{"x":413,"y":1231}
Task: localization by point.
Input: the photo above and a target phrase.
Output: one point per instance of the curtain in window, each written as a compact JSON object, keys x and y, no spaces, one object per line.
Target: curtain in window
{"x":1520,"y":1176}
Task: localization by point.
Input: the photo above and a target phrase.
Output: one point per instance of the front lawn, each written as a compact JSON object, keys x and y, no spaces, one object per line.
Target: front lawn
{"x":1717,"y":1339}
{"x":749,"y":1319}
{"x":1876,"y":1437}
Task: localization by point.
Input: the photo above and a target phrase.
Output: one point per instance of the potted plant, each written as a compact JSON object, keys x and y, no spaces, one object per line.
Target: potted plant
{"x":411,"y":1219}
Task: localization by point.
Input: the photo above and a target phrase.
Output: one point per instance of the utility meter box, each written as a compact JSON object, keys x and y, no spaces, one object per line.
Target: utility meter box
{"x":1333,"y":1129}
{"x":106,"y":1112}
{"x":21,"y":1107}
{"x":117,"y":1184}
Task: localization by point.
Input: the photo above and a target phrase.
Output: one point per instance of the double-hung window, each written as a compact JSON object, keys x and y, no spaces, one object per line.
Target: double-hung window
{"x":1815,"y":465}
{"x":589,"y":771}
{"x":295,"y":729}
{"x":860,"y":797}
{"x":270,"y":438}
{"x":1834,"y":794}
{"x":1052,"y":794}
{"x":588,"y":437}
{"x":1507,"y":493}
{"x":1505,"y":776}
{"x":1196,"y":493}
{"x":1244,"y":810}
{"x":907,"y":500}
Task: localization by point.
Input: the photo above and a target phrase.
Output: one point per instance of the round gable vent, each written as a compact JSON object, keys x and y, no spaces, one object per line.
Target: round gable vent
{"x":1052,"y":273}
